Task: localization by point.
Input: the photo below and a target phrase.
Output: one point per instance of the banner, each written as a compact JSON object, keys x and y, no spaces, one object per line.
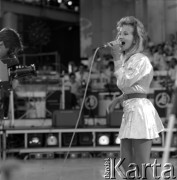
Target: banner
{"x":161,"y":100}
{"x":91,"y":104}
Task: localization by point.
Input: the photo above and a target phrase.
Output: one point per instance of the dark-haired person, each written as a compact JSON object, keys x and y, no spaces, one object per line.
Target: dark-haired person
{"x":75,"y":90}
{"x":10,"y":46}
{"x":141,"y":122}
{"x":10,"y":43}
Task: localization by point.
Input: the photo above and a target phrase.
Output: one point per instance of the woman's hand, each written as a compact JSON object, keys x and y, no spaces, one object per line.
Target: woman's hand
{"x":115,"y":50}
{"x":115,"y":45}
{"x":113,"y":104}
{"x":110,"y":108}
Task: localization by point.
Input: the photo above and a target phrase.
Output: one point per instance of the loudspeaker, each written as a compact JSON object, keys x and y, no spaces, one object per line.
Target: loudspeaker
{"x":35,"y":140}
{"x":51,"y":139}
{"x":66,"y":119}
{"x":114,"y":119}
{"x":53,"y":101}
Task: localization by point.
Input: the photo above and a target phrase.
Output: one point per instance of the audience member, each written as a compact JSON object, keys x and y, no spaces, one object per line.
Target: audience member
{"x":75,"y":89}
{"x":81,"y":74}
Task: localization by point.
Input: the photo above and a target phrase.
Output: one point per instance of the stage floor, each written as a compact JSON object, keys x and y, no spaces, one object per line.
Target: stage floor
{"x":72,"y":169}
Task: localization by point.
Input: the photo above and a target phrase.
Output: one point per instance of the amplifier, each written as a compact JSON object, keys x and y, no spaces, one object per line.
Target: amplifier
{"x":114,"y":119}
{"x":66,"y":119}
{"x":53,"y":101}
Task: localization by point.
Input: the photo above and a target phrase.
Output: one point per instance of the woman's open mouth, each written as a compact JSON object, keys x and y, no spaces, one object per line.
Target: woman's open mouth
{"x":122,"y":43}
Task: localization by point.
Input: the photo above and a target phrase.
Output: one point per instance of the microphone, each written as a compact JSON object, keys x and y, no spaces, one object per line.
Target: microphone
{"x":113,"y":43}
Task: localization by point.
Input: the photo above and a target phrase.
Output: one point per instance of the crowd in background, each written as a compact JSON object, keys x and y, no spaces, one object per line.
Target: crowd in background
{"x":163,"y":58}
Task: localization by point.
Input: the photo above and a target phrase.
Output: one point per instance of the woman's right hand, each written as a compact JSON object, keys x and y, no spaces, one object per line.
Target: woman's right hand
{"x":113,"y":104}
{"x":115,"y":46}
{"x":110,"y":108}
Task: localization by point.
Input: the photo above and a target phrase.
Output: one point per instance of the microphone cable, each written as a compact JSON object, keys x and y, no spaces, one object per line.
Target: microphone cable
{"x":82,"y":104}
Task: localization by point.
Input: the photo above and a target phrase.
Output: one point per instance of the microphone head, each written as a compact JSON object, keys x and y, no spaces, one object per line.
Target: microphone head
{"x":112,"y":43}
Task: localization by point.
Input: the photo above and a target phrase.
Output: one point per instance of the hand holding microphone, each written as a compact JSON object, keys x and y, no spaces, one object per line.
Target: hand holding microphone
{"x":116,"y":47}
{"x":113,"y":43}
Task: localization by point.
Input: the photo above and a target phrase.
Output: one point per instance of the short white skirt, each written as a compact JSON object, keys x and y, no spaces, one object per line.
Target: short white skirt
{"x":140,"y":120}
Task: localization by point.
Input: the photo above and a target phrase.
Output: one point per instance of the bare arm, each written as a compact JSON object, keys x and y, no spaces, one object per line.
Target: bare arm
{"x":118,"y":99}
{"x":113,"y":104}
{"x":115,"y":51}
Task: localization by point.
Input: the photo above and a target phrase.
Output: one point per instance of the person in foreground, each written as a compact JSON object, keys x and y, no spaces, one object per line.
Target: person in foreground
{"x":10,"y":46}
{"x":10,"y":43}
{"x":140,"y":122}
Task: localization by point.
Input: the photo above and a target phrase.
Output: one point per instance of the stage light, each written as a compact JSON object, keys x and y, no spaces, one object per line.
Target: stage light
{"x":59,"y":1}
{"x":103,"y":139}
{"x":116,"y":139}
{"x":35,"y":140}
{"x":70,"y":3}
{"x":74,"y":155}
{"x":76,"y":8}
{"x":86,"y":155}
{"x":51,"y":140}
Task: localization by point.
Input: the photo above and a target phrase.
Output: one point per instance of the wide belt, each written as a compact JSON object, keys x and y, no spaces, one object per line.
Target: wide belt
{"x":134,"y":95}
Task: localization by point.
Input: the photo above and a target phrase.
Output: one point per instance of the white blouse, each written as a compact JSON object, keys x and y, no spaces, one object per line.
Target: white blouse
{"x":135,"y":75}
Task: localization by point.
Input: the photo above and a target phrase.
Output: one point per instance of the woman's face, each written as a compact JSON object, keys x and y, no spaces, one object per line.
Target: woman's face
{"x":3,"y":50}
{"x":126,"y":38}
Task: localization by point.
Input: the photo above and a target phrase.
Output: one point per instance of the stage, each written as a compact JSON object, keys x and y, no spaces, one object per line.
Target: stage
{"x":72,"y":169}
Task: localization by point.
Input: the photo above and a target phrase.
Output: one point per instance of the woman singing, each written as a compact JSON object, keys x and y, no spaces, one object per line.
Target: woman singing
{"x":141,"y":122}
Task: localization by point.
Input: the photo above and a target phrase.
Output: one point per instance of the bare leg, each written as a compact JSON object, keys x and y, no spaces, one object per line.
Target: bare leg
{"x":126,"y":152}
{"x":142,"y":150}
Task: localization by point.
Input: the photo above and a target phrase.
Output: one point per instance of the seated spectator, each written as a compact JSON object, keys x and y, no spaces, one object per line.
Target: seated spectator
{"x":81,"y":74}
{"x":109,"y":71}
{"x":159,"y":62}
{"x":75,"y":89}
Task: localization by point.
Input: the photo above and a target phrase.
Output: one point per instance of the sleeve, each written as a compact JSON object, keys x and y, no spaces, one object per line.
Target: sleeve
{"x":136,"y":70}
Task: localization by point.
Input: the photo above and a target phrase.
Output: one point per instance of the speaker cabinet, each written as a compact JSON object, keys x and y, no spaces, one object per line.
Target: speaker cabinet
{"x":114,"y":119}
{"x":53,"y":101}
{"x":66,"y":119}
